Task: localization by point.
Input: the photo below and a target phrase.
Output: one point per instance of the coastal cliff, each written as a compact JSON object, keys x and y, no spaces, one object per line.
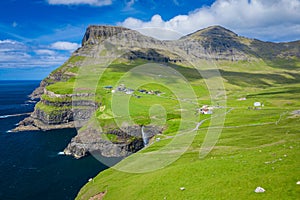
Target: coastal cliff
{"x":62,"y":106}
{"x":127,"y":140}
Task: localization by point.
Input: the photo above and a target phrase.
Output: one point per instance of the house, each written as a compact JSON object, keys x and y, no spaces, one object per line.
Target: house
{"x":121,"y":88}
{"x":206,"y":110}
{"x":242,"y":99}
{"x":108,"y":87}
{"x":143,"y":91}
{"x":129,"y":91}
{"x":257,"y":104}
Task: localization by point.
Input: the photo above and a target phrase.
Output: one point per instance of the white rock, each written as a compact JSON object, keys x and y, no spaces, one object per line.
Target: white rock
{"x":182,"y":188}
{"x":259,"y":190}
{"x":298,"y":183}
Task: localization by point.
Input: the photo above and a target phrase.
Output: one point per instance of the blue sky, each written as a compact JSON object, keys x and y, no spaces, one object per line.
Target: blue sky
{"x":37,"y":36}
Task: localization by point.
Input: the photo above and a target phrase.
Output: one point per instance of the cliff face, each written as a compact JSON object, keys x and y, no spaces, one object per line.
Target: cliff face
{"x":129,"y":140}
{"x":96,"y":34}
{"x":214,"y":43}
{"x":59,"y":108}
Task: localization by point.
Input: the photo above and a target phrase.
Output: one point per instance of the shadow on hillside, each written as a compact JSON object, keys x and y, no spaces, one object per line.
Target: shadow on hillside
{"x":293,"y":93}
{"x":235,"y":78}
{"x":191,"y":74}
{"x":289,"y":64}
{"x":251,"y":79}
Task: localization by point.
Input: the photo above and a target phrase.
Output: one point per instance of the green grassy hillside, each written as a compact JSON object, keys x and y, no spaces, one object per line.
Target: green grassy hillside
{"x":257,"y":147}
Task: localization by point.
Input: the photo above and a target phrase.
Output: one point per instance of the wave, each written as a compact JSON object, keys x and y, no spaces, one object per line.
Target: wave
{"x":61,"y":153}
{"x":13,"y":115}
{"x":31,"y":102}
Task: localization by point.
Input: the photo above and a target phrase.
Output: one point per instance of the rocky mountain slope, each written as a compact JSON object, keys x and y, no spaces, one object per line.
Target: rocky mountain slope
{"x":62,"y":106}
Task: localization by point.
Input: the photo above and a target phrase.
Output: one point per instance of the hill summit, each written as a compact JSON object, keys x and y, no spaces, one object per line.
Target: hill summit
{"x":212,"y":31}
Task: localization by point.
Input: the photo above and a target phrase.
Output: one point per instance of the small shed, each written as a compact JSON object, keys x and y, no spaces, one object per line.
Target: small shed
{"x":108,"y":87}
{"x":257,"y":104}
{"x":242,"y":99}
{"x":129,"y":91}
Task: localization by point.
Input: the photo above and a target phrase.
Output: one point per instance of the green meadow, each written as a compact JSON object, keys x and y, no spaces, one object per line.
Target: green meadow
{"x":257,"y":146}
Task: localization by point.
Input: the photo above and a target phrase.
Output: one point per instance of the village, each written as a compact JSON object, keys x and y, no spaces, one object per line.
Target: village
{"x":123,"y":89}
{"x":205,"y":109}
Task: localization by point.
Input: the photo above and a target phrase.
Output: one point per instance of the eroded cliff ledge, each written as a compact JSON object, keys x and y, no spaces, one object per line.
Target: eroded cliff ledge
{"x":127,"y":140}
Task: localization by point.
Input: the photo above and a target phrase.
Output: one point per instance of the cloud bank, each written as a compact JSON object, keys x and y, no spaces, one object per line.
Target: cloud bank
{"x":14,"y":54}
{"x":273,"y":20}
{"x":81,"y":2}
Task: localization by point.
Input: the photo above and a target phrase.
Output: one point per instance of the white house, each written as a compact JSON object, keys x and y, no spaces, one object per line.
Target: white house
{"x":257,"y":104}
{"x":206,"y":110}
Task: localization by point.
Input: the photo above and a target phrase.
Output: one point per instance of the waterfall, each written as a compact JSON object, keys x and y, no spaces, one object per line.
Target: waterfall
{"x":145,"y":139}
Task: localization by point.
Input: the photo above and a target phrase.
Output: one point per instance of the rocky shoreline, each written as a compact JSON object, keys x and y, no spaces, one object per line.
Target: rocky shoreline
{"x":129,"y":140}
{"x":33,"y":124}
{"x":91,"y":141}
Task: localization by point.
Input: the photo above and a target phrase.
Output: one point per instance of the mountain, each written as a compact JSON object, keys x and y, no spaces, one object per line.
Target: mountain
{"x":219,"y":39}
{"x":62,"y":104}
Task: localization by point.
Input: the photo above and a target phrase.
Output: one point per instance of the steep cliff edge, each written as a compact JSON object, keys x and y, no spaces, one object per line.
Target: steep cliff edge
{"x":94,"y":35}
{"x":127,"y":140}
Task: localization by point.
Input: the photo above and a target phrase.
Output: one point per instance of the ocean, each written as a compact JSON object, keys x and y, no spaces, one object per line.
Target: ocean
{"x":30,"y":166}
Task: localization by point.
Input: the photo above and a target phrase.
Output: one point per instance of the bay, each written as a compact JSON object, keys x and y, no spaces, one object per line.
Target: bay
{"x":30,"y":164}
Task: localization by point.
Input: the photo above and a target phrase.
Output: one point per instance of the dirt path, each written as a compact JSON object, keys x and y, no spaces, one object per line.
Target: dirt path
{"x":98,"y":196}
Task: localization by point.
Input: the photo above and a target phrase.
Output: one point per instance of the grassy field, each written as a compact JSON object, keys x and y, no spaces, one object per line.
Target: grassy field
{"x":165,"y":88}
{"x":247,"y":155}
{"x":257,"y":147}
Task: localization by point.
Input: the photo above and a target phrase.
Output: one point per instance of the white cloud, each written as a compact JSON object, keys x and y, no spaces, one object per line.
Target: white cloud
{"x":61,"y":45}
{"x":80,"y":2}
{"x":14,"y":54}
{"x":267,"y":20}
{"x":8,"y":42}
{"x":12,"y":45}
{"x":45,"y":52}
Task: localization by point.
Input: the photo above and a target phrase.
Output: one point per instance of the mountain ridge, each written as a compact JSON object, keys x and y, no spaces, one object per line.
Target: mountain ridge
{"x":213,"y":40}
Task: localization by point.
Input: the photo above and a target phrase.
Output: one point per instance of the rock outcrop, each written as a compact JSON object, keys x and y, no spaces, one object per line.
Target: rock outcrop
{"x":96,"y":34}
{"x":63,"y":113}
{"x":128,"y":140}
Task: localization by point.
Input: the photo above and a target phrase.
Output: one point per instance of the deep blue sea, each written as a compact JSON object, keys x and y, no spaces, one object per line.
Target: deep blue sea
{"x":30,"y":167}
